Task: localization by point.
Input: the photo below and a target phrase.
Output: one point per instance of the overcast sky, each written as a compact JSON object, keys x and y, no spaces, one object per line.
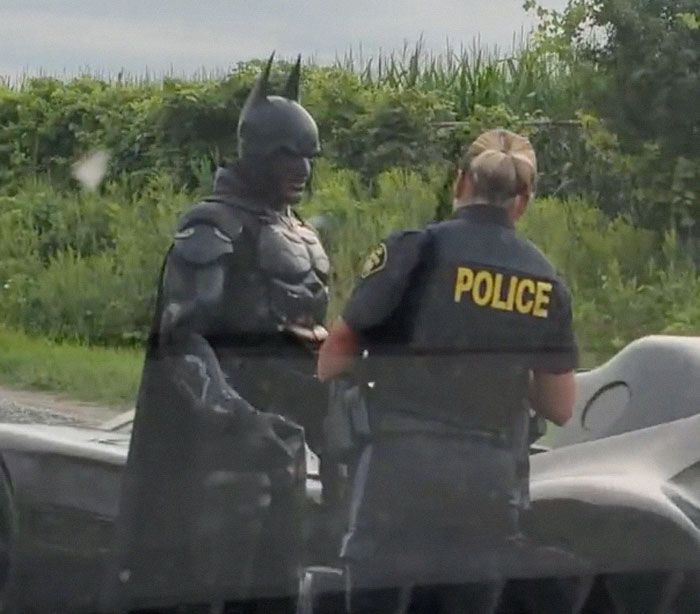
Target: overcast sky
{"x":107,"y":35}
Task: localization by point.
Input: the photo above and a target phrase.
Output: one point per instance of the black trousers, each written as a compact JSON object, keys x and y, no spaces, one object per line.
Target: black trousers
{"x":428,"y":518}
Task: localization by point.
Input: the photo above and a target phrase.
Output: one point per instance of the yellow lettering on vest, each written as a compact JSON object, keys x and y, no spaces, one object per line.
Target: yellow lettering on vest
{"x":512,"y":285}
{"x":525,"y":285}
{"x":487,"y":289}
{"x":465,"y":278}
{"x":483,"y":288}
{"x":542,"y":299}
{"x":498,"y":302}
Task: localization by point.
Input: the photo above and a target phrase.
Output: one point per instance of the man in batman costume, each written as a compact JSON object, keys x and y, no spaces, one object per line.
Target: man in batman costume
{"x":214,"y":482}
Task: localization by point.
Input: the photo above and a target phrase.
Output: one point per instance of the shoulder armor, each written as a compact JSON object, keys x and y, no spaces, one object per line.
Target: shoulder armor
{"x":224,"y":217}
{"x":202,"y":244}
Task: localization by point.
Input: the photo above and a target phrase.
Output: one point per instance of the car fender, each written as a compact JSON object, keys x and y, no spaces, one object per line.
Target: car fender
{"x":619,"y":523}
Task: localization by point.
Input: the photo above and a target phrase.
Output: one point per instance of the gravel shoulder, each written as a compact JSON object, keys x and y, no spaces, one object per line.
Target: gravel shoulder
{"x":22,"y":406}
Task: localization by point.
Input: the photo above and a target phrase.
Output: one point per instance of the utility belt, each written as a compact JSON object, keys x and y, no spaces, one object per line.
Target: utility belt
{"x":346,"y":427}
{"x":271,"y":375}
{"x":273,"y":386}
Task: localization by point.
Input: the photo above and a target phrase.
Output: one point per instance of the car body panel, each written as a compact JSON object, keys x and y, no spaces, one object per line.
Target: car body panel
{"x":653,"y":380}
{"x":621,"y":484}
{"x":66,"y":485}
{"x":619,"y":489}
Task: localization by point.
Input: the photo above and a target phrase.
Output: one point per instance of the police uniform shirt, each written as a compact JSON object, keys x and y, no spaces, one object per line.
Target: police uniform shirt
{"x":461,"y":295}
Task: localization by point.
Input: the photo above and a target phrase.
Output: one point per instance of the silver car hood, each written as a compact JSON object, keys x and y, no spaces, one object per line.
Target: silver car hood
{"x":108,"y":443}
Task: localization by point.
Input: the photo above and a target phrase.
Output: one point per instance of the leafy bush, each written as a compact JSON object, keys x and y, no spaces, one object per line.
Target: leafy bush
{"x":617,"y":206}
{"x":353,"y":218}
{"x":83,"y":267}
{"x":410,"y":110}
{"x":638,"y":62}
{"x":98,"y":286}
{"x":626,"y":282}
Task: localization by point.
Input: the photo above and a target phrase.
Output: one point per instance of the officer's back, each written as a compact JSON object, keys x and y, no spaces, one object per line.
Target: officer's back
{"x":463,"y":324}
{"x":475,"y":317}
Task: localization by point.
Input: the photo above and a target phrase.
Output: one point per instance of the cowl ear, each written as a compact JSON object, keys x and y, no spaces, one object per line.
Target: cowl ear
{"x":259,"y":91}
{"x":291,"y":89}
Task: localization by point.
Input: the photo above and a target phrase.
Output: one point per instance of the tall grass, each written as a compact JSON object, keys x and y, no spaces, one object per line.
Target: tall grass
{"x":374,"y":113}
{"x":108,"y":376}
{"x":82,"y":266}
{"x":524,"y":77}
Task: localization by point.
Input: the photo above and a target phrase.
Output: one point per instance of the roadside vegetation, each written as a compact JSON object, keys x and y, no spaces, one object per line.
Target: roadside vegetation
{"x":617,"y":197}
{"x":106,"y":376}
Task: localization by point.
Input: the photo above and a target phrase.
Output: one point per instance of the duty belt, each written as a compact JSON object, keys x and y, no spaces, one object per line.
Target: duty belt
{"x":388,"y":423}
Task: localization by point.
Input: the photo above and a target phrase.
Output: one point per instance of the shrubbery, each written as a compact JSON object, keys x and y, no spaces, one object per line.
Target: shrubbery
{"x":411,"y":110}
{"x":617,"y":206}
{"x":83,"y":267}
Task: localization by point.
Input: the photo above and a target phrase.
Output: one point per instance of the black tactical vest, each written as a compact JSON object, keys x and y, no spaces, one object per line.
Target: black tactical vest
{"x":481,"y":307}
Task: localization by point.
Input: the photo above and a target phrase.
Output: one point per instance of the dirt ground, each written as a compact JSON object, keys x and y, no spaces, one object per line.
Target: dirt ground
{"x":29,"y":406}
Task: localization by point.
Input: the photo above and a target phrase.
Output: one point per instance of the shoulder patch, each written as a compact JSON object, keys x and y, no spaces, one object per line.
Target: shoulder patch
{"x":375,"y":261}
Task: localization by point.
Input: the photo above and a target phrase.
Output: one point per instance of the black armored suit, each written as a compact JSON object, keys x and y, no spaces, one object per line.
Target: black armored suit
{"x":267,"y":278}
{"x":214,"y":484}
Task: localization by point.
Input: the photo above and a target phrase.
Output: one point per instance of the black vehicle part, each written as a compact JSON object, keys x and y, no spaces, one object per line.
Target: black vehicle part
{"x":8,"y":543}
{"x":321,"y":591}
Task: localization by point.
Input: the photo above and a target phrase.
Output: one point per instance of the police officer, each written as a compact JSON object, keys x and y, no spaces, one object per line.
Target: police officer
{"x":463,"y":327}
{"x":214,"y":481}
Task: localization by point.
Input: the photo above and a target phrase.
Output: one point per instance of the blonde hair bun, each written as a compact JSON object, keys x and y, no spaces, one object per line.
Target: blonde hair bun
{"x":501,"y":164}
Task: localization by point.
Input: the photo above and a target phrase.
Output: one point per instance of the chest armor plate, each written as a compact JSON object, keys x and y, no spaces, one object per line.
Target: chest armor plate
{"x":283,"y":280}
{"x":296,"y":266}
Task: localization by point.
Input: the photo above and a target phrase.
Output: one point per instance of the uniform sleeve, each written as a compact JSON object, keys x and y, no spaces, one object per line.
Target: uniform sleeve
{"x":384,"y":280}
{"x":560,"y":351}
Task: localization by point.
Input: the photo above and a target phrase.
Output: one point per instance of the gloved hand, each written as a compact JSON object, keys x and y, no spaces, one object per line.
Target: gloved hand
{"x":257,"y":437}
{"x":262,"y":440}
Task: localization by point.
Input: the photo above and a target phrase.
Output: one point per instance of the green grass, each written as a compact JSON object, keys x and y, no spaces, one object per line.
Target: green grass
{"x":524,"y":76}
{"x":92,"y":374}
